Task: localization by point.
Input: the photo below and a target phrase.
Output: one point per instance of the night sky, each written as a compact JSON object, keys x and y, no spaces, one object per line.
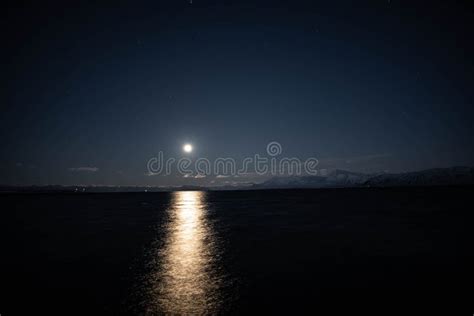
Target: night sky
{"x":90,"y":92}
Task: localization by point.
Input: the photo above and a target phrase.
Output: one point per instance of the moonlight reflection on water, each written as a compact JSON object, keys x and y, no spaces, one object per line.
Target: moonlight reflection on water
{"x":185,"y":278}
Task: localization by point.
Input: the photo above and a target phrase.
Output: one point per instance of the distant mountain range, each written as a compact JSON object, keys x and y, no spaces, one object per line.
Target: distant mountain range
{"x":438,"y":176}
{"x":335,"y":178}
{"x":342,"y":178}
{"x":332,"y":179}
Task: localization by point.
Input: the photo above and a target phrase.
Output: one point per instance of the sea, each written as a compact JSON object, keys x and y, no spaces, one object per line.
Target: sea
{"x":319,"y":251}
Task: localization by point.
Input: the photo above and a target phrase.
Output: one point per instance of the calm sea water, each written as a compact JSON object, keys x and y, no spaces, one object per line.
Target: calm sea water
{"x":237,"y":252}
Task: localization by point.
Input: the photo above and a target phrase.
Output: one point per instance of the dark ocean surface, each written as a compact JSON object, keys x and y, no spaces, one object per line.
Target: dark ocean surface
{"x":273,"y":251}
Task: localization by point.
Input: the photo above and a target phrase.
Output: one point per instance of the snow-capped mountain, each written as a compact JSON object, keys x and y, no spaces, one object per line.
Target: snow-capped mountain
{"x":335,"y":178}
{"x":438,"y":176}
{"x":343,"y":178}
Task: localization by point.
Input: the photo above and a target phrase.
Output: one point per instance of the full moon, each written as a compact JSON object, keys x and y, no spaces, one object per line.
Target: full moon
{"x":188,"y":148}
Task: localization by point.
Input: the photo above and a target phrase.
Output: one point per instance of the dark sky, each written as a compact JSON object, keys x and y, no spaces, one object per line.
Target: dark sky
{"x":373,"y":86}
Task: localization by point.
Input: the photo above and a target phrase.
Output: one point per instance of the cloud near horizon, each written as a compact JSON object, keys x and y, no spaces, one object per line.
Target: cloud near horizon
{"x":84,"y":169}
